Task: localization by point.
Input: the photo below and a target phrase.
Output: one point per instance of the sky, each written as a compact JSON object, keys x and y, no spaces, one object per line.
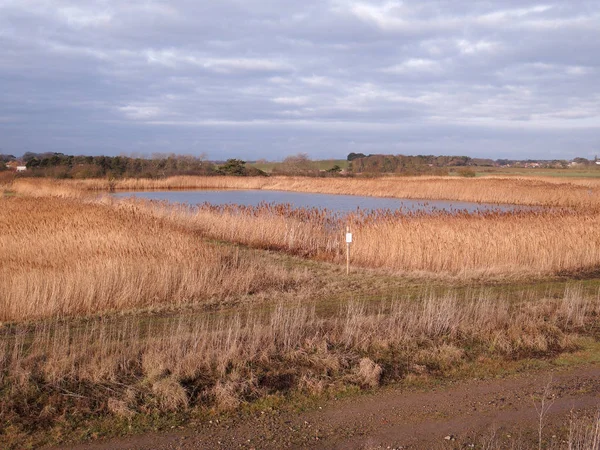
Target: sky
{"x":267,"y":79}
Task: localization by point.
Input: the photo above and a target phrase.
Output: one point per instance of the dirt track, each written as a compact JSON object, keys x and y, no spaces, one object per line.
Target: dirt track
{"x":456,"y":416}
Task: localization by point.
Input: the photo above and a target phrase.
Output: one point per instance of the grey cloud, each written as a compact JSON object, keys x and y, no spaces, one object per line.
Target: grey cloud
{"x":269,"y":78}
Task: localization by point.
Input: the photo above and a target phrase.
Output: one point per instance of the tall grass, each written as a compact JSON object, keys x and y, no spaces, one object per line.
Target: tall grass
{"x":64,"y":254}
{"x":584,"y":434}
{"x":66,"y":257}
{"x":124,"y":365}
{"x":455,"y":244}
{"x":522,"y":190}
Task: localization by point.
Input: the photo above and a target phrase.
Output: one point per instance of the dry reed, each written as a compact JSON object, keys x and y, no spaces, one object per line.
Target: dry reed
{"x":65,"y":257}
{"x":517,"y":244}
{"x":580,"y":193}
{"x":225,"y":360}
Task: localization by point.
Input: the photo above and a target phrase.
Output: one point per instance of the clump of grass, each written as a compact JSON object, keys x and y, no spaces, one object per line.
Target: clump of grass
{"x":584,"y":434}
{"x":369,"y":373}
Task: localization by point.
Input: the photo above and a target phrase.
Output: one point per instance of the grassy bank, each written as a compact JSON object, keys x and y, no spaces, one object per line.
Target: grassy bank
{"x":73,"y":371}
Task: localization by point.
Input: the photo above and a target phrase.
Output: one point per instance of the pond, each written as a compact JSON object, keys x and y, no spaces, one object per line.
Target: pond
{"x":335,"y":203}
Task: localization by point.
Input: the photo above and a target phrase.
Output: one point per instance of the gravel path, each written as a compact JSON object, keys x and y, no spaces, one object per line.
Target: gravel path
{"x":462,"y":415}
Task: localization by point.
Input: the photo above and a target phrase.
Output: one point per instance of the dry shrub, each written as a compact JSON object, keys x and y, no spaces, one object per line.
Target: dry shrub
{"x":155,"y":364}
{"x":230,"y":393}
{"x":234,"y":358}
{"x":368,"y":372}
{"x":170,"y":394}
{"x":226,"y":395}
{"x":311,"y":384}
{"x":442,"y":357}
{"x":3,"y":358}
{"x":119,"y":408}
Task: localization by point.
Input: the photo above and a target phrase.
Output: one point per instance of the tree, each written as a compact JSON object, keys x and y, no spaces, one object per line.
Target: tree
{"x":298,"y":164}
{"x":233,"y":167}
{"x":353,"y":156}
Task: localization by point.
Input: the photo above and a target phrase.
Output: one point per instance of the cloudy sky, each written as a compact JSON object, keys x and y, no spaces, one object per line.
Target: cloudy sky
{"x":270,"y":78}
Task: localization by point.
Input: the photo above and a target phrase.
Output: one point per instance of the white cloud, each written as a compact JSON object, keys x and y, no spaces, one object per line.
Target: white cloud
{"x":79,"y":18}
{"x":175,"y":58}
{"x":472,"y":47}
{"x":385,"y":16}
{"x":415,"y":65}
{"x":140,"y":112}
{"x":578,"y":70}
{"x":317,"y":81}
{"x":279,"y":80}
{"x":510,"y":14}
{"x":227,"y":65}
{"x":297,"y":101}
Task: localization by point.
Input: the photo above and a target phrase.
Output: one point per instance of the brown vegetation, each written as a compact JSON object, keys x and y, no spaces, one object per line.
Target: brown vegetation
{"x":67,"y":257}
{"x":580,"y":193}
{"x":495,"y":244}
{"x":65,"y":252}
{"x":123,"y":366}
{"x":517,"y":244}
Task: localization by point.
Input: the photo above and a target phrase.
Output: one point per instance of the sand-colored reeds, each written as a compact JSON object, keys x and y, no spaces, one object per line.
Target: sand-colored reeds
{"x":66,"y":257}
{"x":584,"y":434}
{"x":580,"y":193}
{"x":515,"y":244}
{"x":126,"y":365}
{"x":81,"y":256}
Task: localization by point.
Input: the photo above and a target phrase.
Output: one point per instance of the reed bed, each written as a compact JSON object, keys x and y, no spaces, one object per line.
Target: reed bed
{"x":584,"y":193}
{"x":456,"y":244}
{"x":63,"y":257}
{"x":64,"y":253}
{"x":84,"y":255}
{"x":126,"y":366}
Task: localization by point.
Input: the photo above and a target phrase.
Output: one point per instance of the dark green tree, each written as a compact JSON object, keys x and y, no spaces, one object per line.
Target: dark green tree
{"x":233,"y":167}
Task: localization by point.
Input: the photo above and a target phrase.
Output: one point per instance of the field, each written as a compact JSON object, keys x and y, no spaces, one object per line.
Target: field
{"x":324,"y":164}
{"x":120,"y":316}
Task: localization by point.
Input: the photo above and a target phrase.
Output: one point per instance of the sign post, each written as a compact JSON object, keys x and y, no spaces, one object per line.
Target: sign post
{"x":348,"y":242}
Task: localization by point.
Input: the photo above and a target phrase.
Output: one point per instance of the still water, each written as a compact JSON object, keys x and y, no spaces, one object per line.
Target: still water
{"x":335,"y":203}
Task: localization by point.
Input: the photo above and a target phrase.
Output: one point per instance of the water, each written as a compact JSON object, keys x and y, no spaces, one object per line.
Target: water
{"x":335,"y":203}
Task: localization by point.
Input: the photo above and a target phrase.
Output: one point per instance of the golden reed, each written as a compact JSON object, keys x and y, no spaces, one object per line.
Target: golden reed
{"x":510,"y":190}
{"x":61,"y":257}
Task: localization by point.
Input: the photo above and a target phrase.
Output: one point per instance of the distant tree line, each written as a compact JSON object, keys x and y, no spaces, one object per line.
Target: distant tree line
{"x":412,"y":165}
{"x":440,"y":165}
{"x":59,"y":165}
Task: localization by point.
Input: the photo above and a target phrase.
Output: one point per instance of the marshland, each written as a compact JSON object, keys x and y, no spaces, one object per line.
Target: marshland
{"x":121,"y":314}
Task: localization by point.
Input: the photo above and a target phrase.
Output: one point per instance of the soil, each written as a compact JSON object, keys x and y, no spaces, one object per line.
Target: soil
{"x":465,"y":414}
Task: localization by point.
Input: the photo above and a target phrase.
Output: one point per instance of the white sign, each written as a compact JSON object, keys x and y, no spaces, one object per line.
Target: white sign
{"x":348,"y":238}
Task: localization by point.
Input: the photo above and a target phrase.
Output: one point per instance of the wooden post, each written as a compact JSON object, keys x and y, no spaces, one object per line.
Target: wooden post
{"x":348,"y":241}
